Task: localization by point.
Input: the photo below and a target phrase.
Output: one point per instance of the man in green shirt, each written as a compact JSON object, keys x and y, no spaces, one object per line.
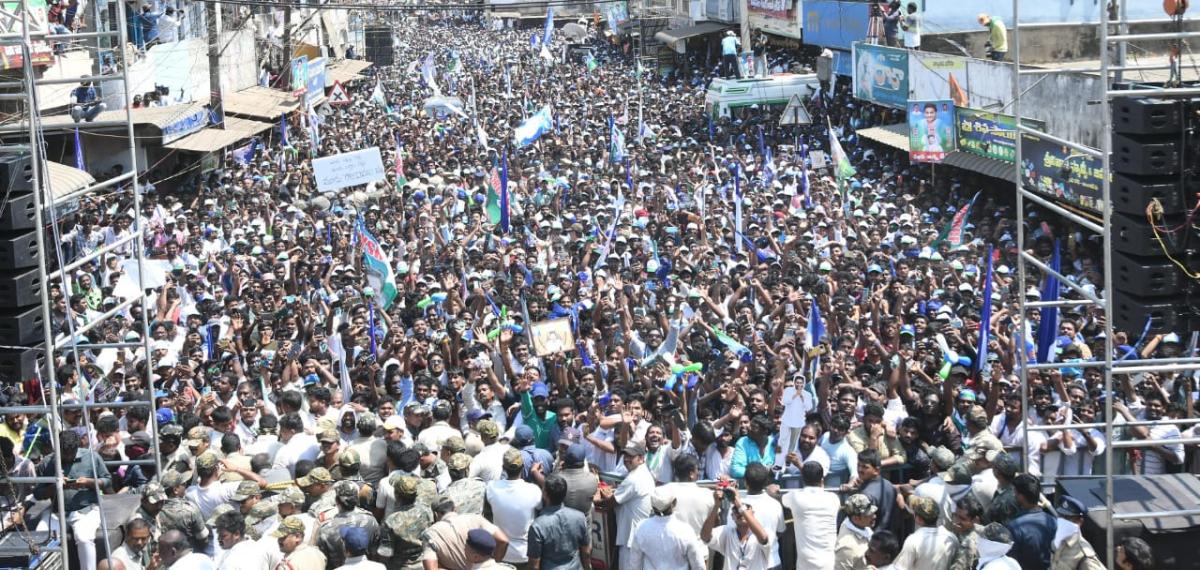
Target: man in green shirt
{"x":997,"y":45}
{"x":536,"y":414}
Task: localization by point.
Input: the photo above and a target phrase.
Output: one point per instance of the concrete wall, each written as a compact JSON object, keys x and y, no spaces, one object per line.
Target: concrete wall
{"x":181,"y":66}
{"x":944,"y":16}
{"x":1046,"y":43}
{"x":70,"y":64}
{"x":239,"y":62}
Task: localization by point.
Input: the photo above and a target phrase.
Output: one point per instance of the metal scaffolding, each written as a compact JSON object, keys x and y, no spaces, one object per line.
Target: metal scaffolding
{"x":1110,"y":45}
{"x":53,"y":267}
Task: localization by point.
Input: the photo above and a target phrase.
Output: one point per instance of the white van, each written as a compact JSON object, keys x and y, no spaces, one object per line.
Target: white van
{"x":725,"y":95}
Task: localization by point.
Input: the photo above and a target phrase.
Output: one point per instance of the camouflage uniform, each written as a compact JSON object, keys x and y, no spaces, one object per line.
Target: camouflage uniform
{"x":967,"y":555}
{"x":437,"y":469}
{"x":851,"y":546}
{"x":403,"y":529}
{"x":468,"y":492}
{"x":426,"y":492}
{"x":329,"y":538}
{"x":1075,"y":554}
{"x":184,"y":516}
{"x":1004,"y":505}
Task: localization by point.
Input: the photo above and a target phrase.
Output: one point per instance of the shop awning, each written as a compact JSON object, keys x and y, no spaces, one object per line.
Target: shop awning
{"x":260,"y":102}
{"x":345,"y":71}
{"x":154,"y":116}
{"x":896,"y":136}
{"x":66,"y":180}
{"x":703,"y":28}
{"x":213,"y":139}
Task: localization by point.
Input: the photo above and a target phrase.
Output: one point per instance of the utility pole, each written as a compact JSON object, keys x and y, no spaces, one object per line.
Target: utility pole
{"x":213,"y":15}
{"x":286,"y":69}
{"x":744,"y":22}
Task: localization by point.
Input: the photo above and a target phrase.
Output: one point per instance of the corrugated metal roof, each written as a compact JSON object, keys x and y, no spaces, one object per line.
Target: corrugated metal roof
{"x":671,"y":36}
{"x":896,"y":136}
{"x":260,"y":102}
{"x":65,"y":180}
{"x":155,"y":116}
{"x":213,"y":139}
{"x":345,"y":70}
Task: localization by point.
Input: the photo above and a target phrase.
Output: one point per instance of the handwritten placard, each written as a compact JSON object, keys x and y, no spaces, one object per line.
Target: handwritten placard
{"x":348,"y":169}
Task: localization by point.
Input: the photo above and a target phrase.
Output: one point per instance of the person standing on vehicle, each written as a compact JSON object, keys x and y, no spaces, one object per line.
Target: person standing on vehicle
{"x":729,"y":52}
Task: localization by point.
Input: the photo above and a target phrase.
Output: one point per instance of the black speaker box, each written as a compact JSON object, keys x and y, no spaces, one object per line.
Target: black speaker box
{"x":1131,"y":193}
{"x":1133,"y":235}
{"x":1172,"y":539}
{"x":1146,"y":155}
{"x":1147,"y":116}
{"x":380,"y":50}
{"x":18,"y":212}
{"x":22,"y":326}
{"x":1166,"y":314}
{"x":18,"y":250}
{"x":21,"y":364}
{"x":16,"y":172}
{"x":1152,"y":276}
{"x":20,"y":289}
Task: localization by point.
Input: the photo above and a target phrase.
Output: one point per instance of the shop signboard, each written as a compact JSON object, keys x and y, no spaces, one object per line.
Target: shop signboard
{"x":185,"y":126}
{"x":777,"y":17}
{"x":881,"y":75}
{"x":930,"y":130}
{"x":1061,"y":172}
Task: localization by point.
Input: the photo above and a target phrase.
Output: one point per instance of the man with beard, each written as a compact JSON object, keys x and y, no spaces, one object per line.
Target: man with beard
{"x":535,"y":412}
{"x":916,"y":464}
{"x":934,"y":427}
{"x":843,"y":460}
{"x":807,"y":450}
{"x":1155,"y":459}
{"x":660,"y":457}
{"x":756,"y":447}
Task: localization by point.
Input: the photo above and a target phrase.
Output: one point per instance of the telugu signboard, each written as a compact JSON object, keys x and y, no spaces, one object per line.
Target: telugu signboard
{"x":185,"y":126}
{"x":315,"y":81}
{"x":1060,"y":172}
{"x":930,"y":130}
{"x":990,"y":135}
{"x":778,"y":17}
{"x":881,"y":75}
{"x":348,"y":169}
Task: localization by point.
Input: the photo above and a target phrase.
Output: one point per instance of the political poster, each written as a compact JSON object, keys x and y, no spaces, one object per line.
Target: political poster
{"x":348,"y":169}
{"x":881,"y":75}
{"x":552,"y":336}
{"x":1061,"y":173}
{"x":990,"y":135}
{"x":930,"y":130}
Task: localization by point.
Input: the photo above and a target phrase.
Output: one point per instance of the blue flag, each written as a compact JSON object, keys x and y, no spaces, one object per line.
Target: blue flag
{"x":79,"y":152}
{"x":816,"y":326}
{"x":245,"y":155}
{"x":504,"y":216}
{"x":549,"y":31}
{"x":985,"y":315}
{"x":712,"y":131}
{"x":283,"y":135}
{"x":737,"y":203}
{"x":533,"y":127}
{"x":1047,"y":330}
{"x":768,"y":168}
{"x":762,"y":146}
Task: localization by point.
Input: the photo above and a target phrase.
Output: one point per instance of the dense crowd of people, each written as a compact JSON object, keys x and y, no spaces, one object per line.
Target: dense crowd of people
{"x":749,"y":344}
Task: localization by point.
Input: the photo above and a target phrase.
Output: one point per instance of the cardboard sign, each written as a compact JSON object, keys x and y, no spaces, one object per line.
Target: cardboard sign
{"x":348,"y":169}
{"x":552,"y":336}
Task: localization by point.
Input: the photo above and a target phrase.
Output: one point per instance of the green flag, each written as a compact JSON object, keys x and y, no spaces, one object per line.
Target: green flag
{"x":493,"y":197}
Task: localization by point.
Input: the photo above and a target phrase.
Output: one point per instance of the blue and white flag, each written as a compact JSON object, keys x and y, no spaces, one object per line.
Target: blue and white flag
{"x":283,"y":134}
{"x":534,"y":127}
{"x":548,"y":32}
{"x":1047,"y":327}
{"x":244,"y":155}
{"x":768,"y":168}
{"x":816,"y":326}
{"x":505,"y":223}
{"x":79,"y":162}
{"x":985,"y":315}
{"x":737,"y":203}
{"x":616,"y":142}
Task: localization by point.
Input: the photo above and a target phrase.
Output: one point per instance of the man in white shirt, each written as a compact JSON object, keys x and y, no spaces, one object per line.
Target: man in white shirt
{"x":745,"y":545}
{"x":512,"y":503}
{"x":767,"y":510}
{"x":238,"y":552}
{"x":487,"y":465}
{"x":692,"y":502}
{"x":297,"y":445}
{"x":132,"y":553}
{"x":1155,"y":459}
{"x":441,"y":430}
{"x":806,"y":451}
{"x":931,"y":546}
{"x":632,"y":497}
{"x":168,"y":26}
{"x":662,"y":542}
{"x":815,"y":511}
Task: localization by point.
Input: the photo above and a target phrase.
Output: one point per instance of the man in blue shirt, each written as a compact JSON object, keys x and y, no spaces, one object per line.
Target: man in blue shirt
{"x":1033,"y":528}
{"x":729,"y":51}
{"x":757,"y":447}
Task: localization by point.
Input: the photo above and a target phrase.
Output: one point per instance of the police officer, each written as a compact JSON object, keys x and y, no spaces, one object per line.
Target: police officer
{"x":467,"y":492}
{"x":1073,"y":552}
{"x":348,"y":514}
{"x":403,"y":545}
{"x":178,"y":513}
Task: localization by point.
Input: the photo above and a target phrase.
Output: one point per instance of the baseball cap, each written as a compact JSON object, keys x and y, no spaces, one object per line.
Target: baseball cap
{"x":513,"y":458}
{"x":349,"y":458}
{"x":328,"y":436}
{"x":406,"y":486}
{"x":634,"y":448}
{"x":575,"y":455}
{"x":392,"y":423}
{"x":459,"y":462}
{"x":454,"y":444}
{"x":522,"y":436}
{"x":207,"y":460}
{"x":539,"y":390}
{"x":154,"y":492}
{"x":488,"y":428}
{"x":317,"y":475}
{"x":245,"y":490}
{"x":942,"y":457}
{"x":138,"y":438}
{"x":289,"y":525}
{"x":175,"y":479}
{"x":859,"y":505}
{"x":477,"y":414}
{"x":481,"y":541}
{"x":290,"y":495}
{"x":925,"y":508}
{"x":355,"y":538}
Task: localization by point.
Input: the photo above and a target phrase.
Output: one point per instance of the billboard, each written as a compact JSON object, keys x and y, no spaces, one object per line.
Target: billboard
{"x":315,"y":80}
{"x":779,"y":17}
{"x":1060,"y":172}
{"x":835,"y":25}
{"x":990,"y":135}
{"x":930,"y":130}
{"x":299,"y":75}
{"x":881,"y":75}
{"x":973,"y":83}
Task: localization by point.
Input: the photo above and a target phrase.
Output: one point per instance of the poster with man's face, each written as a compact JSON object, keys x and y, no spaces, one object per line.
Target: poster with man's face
{"x":930,"y":130}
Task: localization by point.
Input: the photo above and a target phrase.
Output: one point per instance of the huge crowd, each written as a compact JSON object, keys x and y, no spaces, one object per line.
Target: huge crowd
{"x":303,"y":422}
